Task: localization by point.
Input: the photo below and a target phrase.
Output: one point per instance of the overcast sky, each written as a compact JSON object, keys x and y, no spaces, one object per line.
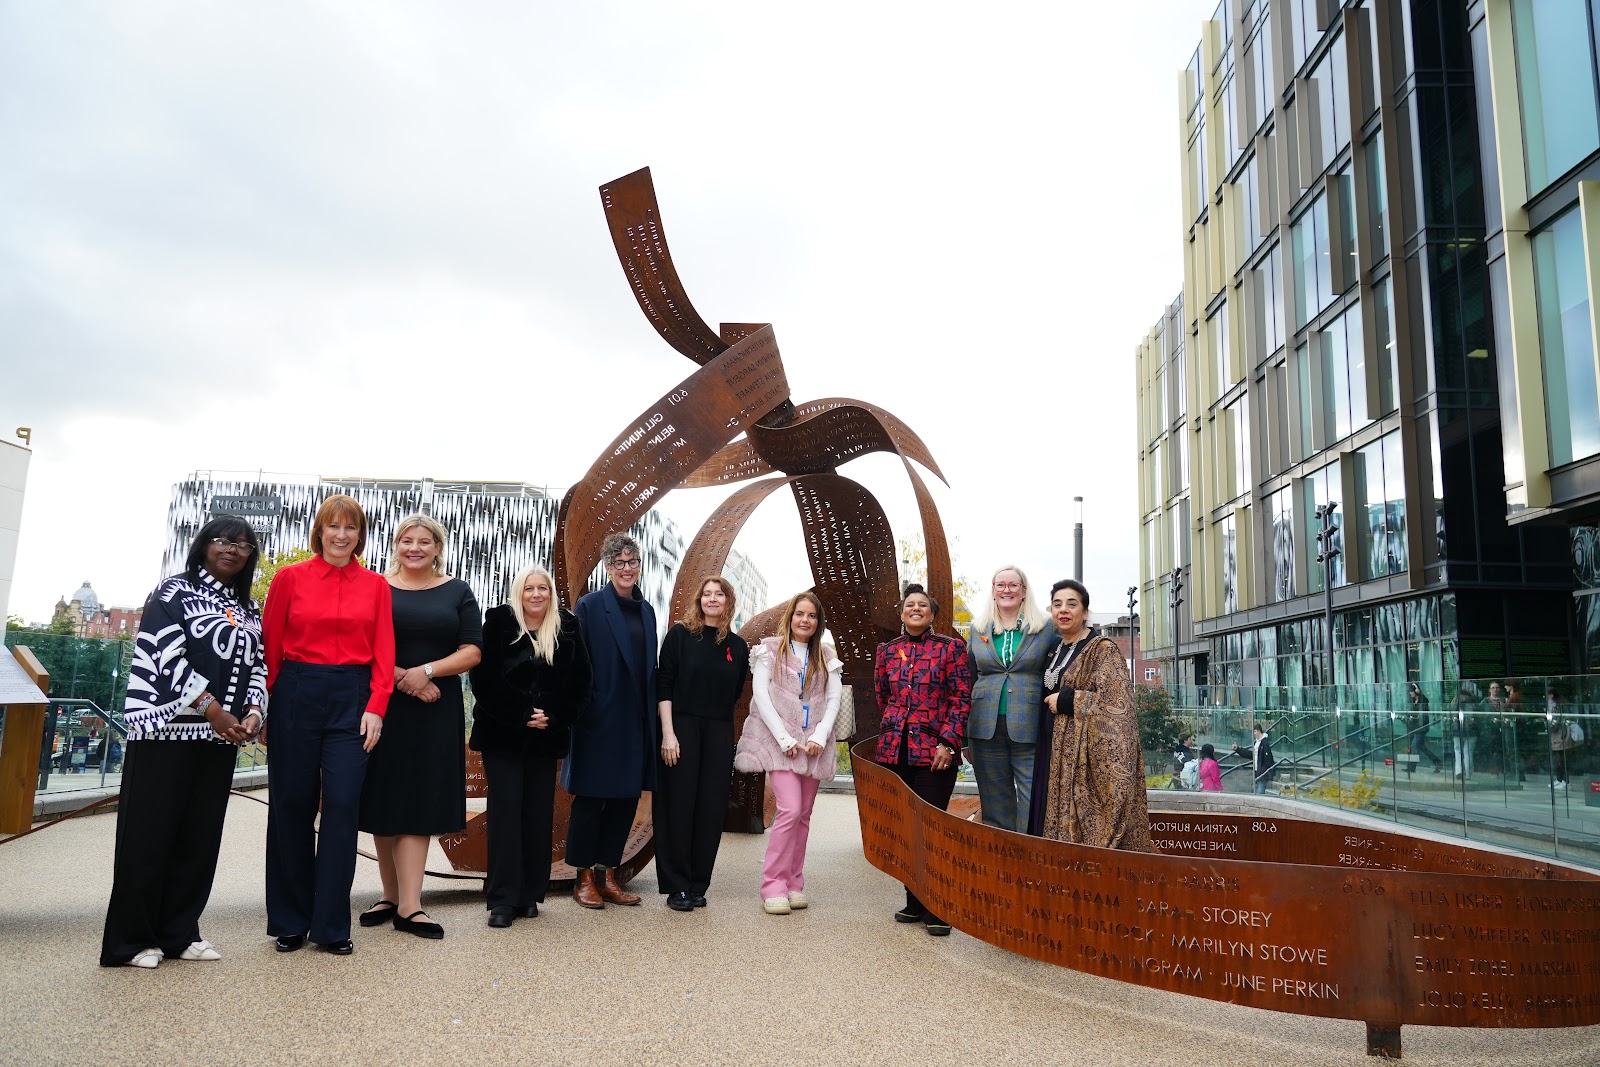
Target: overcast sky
{"x":351,"y":237}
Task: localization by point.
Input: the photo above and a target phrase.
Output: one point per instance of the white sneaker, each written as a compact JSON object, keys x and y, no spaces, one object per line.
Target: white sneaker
{"x":776,"y":906}
{"x":201,"y":950}
{"x":148,"y":958}
{"x":1558,"y":785}
{"x":797,"y":901}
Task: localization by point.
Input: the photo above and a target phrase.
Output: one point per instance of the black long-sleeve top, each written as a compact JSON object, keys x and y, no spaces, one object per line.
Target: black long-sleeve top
{"x":511,"y":680}
{"x":701,"y":675}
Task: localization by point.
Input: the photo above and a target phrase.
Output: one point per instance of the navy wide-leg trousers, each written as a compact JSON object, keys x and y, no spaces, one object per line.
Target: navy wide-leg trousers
{"x":315,"y":754}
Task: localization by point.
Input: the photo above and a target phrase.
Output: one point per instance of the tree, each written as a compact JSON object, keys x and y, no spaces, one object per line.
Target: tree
{"x":63,"y":622}
{"x":268,"y":567}
{"x":1159,"y":730}
{"x":914,"y":552}
{"x":16,"y":622}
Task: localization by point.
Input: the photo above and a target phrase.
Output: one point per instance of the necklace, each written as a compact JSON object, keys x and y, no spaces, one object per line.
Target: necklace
{"x":1059,"y":663}
{"x":400,"y":582}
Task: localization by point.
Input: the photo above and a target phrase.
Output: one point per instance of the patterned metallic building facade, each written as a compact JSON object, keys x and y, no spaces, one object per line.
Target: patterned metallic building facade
{"x":495,"y":527}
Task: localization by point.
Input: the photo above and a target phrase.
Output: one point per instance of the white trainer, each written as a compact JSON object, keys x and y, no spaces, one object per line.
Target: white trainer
{"x":148,"y":958}
{"x":201,"y":950}
{"x":797,"y":901}
{"x":776,"y":906}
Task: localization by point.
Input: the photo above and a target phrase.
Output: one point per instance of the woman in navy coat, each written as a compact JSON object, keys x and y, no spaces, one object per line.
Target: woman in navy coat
{"x":613,"y":746}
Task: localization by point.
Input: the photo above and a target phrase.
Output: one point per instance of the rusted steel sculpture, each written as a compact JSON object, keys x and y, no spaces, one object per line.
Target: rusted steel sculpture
{"x":690,"y":438}
{"x":1302,"y":917}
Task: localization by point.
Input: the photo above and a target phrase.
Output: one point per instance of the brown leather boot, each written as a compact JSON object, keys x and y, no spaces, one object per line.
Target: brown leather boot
{"x":612,"y":890}
{"x":584,"y":891}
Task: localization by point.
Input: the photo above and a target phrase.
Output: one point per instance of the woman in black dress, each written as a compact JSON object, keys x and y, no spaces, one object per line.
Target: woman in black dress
{"x":699,"y":677}
{"x":532,"y":685}
{"x":416,"y":779}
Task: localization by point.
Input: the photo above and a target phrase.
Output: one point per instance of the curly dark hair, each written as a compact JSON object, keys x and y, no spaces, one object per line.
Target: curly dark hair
{"x":234,"y":529}
{"x":916,"y":587}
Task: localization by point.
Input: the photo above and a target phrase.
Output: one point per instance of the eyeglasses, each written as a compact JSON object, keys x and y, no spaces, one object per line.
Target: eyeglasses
{"x":625,"y":564}
{"x":1007,"y":587}
{"x":225,"y":545}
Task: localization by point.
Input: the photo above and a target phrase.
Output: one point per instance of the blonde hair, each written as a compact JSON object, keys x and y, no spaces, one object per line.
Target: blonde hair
{"x":694,"y":616}
{"x":548,"y":635}
{"x":411,"y":522}
{"x":339,"y":507}
{"x":813,"y":644}
{"x":1032,"y":617}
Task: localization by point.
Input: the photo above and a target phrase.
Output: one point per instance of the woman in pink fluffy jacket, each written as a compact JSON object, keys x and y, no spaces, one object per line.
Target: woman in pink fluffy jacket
{"x":795,"y":686}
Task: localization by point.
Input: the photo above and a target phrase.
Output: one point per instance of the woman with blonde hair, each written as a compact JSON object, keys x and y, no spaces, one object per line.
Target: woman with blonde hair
{"x":329,"y":632}
{"x":1008,"y":644}
{"x":699,"y":676}
{"x":795,"y":693}
{"x":416,"y":782}
{"x":530,"y":687}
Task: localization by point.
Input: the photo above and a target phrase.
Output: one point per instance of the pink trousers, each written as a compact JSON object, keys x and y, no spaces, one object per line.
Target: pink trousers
{"x":784,"y":871}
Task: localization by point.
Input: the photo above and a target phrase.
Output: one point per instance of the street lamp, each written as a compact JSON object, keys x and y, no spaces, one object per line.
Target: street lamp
{"x":1077,"y":539}
{"x":1326,"y":554}
{"x":1174,"y":601}
{"x":1133,"y":632}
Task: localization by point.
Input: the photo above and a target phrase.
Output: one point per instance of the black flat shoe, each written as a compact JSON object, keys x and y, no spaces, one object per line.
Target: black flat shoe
{"x":290,"y":942}
{"x":680,"y":902}
{"x":500,"y":919}
{"x":937,"y":927}
{"x":698,"y":902}
{"x":527,"y":911}
{"x":408,"y":925}
{"x":338,"y":948}
{"x":379,"y":913}
{"x":906,"y":915}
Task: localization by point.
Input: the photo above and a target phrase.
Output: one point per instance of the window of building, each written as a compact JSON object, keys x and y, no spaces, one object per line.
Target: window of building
{"x":1302,"y":376}
{"x":1250,"y":205}
{"x":1318,"y":488}
{"x":1236,"y":423}
{"x":1377,"y":202}
{"x":1180,"y":480}
{"x":1556,"y":74}
{"x":1149,"y":674}
{"x":1344,"y":382}
{"x":1258,"y":57}
{"x":1180,"y":533}
{"x":1218,"y":324}
{"x":1280,"y":521}
{"x":1228,"y":533}
{"x":1380,"y":507}
{"x":1313,"y":280}
{"x":1269,"y":304}
{"x":1385,"y":365}
{"x":1561,"y":281}
{"x":1153,"y":475}
{"x":1329,"y":81}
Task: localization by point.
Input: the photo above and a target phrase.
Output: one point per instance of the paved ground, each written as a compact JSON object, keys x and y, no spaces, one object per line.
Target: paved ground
{"x":839,"y":983}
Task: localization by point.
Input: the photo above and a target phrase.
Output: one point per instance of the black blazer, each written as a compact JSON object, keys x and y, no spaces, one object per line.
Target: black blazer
{"x":510,"y":681}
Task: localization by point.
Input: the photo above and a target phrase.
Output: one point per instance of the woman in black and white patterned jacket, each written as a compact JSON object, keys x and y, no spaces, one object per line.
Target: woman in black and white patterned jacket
{"x":195,"y":691}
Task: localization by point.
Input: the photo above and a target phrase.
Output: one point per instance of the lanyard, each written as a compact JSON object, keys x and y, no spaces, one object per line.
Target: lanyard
{"x":805,"y":661}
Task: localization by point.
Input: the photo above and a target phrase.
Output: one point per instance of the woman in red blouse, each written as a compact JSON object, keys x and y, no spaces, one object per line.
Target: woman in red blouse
{"x":924,"y":687}
{"x":329,"y":637}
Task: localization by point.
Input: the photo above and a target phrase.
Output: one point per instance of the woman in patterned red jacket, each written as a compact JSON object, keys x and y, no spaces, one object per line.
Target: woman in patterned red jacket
{"x":924,"y":686}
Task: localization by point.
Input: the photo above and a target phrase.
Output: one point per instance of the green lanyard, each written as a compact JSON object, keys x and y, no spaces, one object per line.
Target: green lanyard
{"x":1007,"y":646}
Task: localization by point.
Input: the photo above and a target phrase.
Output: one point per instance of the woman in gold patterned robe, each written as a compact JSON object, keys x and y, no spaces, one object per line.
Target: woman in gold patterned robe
{"x":1088,"y":783}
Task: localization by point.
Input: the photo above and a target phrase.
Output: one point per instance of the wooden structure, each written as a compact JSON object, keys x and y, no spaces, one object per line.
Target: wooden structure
{"x":23,"y":685}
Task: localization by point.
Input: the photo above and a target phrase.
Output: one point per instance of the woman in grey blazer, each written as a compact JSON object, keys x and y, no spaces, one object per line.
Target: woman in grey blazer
{"x":1008,"y":646}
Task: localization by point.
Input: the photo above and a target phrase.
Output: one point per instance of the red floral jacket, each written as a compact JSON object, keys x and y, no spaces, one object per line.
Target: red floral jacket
{"x":924,"y":687}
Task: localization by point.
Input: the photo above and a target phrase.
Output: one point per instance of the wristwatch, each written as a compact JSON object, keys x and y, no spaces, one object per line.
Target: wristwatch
{"x":427,"y":668}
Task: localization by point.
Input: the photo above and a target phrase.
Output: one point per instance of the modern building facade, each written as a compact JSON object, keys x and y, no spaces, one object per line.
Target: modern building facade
{"x":13,"y":483}
{"x":1539,"y":120}
{"x":1335,"y":350}
{"x":496,"y":528}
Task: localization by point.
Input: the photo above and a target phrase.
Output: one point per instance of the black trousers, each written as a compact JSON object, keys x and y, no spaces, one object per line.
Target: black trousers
{"x":690,"y":804}
{"x":315,"y":754}
{"x":169,"y":829}
{"x":522,"y":798}
{"x":597,"y":830}
{"x":933,"y":786}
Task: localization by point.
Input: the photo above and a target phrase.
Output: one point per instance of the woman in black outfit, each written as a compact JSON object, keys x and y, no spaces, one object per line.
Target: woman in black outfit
{"x":699,"y":676}
{"x":416,"y":779}
{"x":532,"y":684}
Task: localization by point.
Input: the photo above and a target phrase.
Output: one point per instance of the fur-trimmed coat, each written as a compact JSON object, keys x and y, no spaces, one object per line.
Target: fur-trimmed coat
{"x":510,"y":681}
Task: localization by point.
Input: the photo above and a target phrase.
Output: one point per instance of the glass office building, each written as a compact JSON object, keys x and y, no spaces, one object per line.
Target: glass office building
{"x":1538,"y":94}
{"x":1342,"y":343}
